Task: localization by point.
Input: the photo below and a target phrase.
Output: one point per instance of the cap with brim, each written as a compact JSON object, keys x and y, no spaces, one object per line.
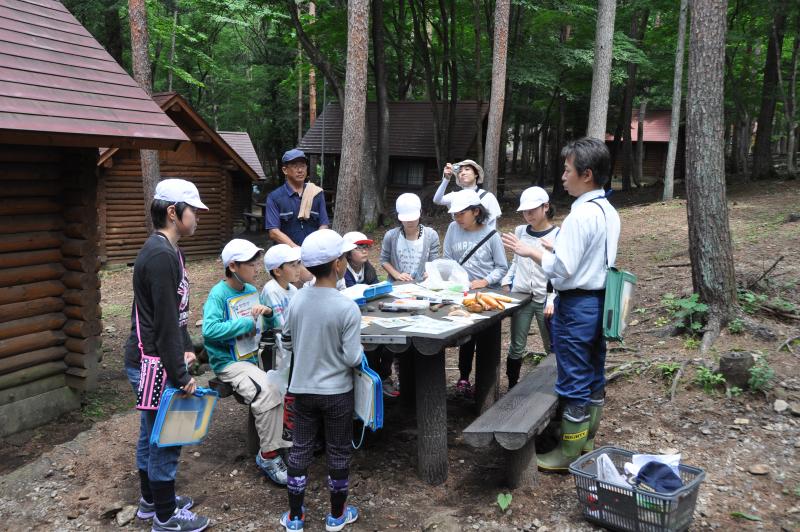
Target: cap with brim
{"x":239,"y":250}
{"x":293,"y":155}
{"x":408,"y":206}
{"x":357,"y":238}
{"x":532,"y":198}
{"x":463,"y":199}
{"x":177,"y":191}
{"x":658,"y":477}
{"x":323,"y":246}
{"x":280,"y":254}
{"x":478,"y":169}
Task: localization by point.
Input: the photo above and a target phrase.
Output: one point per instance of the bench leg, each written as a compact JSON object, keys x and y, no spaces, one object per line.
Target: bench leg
{"x":431,"y":417}
{"x":487,"y":368}
{"x":253,"y":442}
{"x":521,"y":466}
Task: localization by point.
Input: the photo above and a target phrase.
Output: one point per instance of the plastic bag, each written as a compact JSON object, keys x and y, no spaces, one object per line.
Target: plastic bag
{"x":638,"y":460}
{"x":607,"y":472}
{"x":446,"y":274}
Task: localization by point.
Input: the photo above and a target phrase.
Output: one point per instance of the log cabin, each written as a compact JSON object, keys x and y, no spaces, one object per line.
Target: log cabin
{"x":62,"y":97}
{"x":223,"y":170}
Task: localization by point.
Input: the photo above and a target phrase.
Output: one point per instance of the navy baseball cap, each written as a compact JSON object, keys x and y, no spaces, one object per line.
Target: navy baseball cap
{"x":293,"y":154}
{"x":658,"y":477}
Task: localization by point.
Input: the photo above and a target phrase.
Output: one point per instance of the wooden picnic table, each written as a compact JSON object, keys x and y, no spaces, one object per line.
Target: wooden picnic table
{"x":426,"y":352}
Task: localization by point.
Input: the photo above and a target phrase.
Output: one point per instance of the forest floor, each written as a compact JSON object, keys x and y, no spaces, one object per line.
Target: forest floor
{"x":78,"y":472}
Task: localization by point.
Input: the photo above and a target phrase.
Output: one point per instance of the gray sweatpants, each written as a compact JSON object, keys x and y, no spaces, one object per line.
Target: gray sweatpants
{"x":265,"y":400}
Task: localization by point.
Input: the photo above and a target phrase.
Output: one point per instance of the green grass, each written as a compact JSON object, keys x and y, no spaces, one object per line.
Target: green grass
{"x":115,"y":310}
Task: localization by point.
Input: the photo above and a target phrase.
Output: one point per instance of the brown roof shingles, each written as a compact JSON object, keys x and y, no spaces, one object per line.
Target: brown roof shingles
{"x":59,"y":86}
{"x":241,"y":143}
{"x":410,"y":129}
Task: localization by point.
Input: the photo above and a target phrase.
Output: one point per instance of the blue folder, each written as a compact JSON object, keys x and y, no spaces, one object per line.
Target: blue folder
{"x":183,"y":419}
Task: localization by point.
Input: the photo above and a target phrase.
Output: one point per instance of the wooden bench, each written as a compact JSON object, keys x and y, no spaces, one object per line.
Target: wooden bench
{"x":516,"y":419}
{"x":250,"y":217}
{"x":267,"y":347}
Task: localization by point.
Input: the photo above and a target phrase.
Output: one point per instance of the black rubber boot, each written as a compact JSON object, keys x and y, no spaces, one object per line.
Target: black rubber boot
{"x":513,"y":366}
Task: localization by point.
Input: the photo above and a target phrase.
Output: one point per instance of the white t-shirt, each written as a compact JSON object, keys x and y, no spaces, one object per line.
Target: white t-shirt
{"x":410,"y":252}
{"x":277,"y":297}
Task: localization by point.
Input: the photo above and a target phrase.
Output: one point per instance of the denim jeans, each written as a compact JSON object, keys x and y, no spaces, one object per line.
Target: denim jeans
{"x":161,"y":463}
{"x":577,"y":332}
{"x":521,"y":324}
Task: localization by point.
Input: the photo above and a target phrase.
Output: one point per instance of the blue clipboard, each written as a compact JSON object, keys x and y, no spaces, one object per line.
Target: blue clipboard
{"x":183,"y":419}
{"x":368,"y":392}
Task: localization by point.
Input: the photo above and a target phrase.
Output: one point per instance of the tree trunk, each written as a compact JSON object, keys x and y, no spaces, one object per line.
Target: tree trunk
{"x":710,"y":245}
{"x":638,"y":26}
{"x":762,"y":154}
{"x":172,"y":47}
{"x":381,"y":91}
{"x":113,"y":41}
{"x":675,"y":119}
{"x":496,"y":100}
{"x":354,"y":118}
{"x":789,"y":97}
{"x":557,"y":167}
{"x":638,"y":169}
{"x":299,"y":92}
{"x":601,"y":71}
{"x":476,"y":19}
{"x":312,"y":78}
{"x":137,"y":13}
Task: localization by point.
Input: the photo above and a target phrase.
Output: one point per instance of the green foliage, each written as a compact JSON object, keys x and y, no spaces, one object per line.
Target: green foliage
{"x":708,"y":379}
{"x":761,"y":375}
{"x":688,"y":313}
{"x":735,"y":391}
{"x":667,"y":370}
{"x":736,"y":326}
{"x":691,"y":343}
{"x":504,"y":501}
{"x":750,"y":301}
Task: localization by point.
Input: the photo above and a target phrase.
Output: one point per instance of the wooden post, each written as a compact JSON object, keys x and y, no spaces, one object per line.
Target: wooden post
{"x":521,"y":466}
{"x":431,"y":418}
{"x":408,"y":386}
{"x":487,"y":367}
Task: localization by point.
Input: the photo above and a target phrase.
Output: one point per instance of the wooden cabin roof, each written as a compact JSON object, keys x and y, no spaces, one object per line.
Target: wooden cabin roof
{"x":198,"y":130}
{"x":58,"y":86}
{"x":656,"y":126}
{"x":410,"y":129}
{"x":240,"y":141}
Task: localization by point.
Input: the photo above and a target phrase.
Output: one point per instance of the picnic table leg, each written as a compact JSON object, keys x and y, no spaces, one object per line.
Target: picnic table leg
{"x":408,"y":386}
{"x":431,"y":395}
{"x":521,"y":466}
{"x":487,"y":367}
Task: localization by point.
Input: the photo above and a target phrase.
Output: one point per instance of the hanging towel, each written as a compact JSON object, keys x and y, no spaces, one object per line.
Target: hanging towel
{"x":309,"y":193}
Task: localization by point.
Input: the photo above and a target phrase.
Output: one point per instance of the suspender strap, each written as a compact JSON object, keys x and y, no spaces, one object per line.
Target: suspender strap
{"x":485,"y":239}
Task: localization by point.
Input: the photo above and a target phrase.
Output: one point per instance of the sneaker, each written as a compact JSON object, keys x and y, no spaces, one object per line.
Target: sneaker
{"x":389,"y":388}
{"x":334,"y":524}
{"x":273,"y":468}
{"x":181,"y":521}
{"x":464,"y":388}
{"x":147,"y":510}
{"x":293,"y":524}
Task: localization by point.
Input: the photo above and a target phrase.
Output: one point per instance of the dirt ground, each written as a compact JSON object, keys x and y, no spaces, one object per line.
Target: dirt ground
{"x":78,"y":472}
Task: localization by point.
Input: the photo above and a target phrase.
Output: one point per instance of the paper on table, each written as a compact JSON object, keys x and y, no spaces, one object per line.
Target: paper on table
{"x":426,"y":325}
{"x":366,"y":321}
{"x":393,"y":323}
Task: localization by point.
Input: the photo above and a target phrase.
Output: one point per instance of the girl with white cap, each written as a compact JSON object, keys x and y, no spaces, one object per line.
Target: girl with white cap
{"x":469,"y":176}
{"x":406,"y":249}
{"x":479,"y":250}
{"x":526,"y":276}
{"x":159,"y":342}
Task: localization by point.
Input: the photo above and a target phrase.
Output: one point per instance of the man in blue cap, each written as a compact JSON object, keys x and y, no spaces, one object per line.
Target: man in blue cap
{"x":296,"y":209}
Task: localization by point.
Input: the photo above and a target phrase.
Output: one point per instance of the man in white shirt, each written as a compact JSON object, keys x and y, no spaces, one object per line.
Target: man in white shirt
{"x":581,"y":254}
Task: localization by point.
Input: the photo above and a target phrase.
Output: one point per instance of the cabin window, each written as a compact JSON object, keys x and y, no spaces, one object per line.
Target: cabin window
{"x":408,"y":173}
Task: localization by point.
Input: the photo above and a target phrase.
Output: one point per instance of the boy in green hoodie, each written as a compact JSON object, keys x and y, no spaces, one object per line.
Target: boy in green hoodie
{"x":260,"y":389}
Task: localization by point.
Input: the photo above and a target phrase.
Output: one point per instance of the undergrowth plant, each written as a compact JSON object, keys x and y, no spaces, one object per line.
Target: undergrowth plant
{"x":761,"y":375}
{"x":688,"y":313}
{"x":708,"y":379}
{"x":667,"y":370}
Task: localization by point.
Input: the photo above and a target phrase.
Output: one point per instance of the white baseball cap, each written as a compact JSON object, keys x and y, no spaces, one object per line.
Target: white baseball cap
{"x":239,"y":250}
{"x":280,"y":254}
{"x":532,"y":197}
{"x":354,"y":237}
{"x":322,"y":247}
{"x":463,"y":199}
{"x":177,"y":190}
{"x":408,"y":207}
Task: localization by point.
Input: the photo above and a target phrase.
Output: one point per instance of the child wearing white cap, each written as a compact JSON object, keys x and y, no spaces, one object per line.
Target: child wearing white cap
{"x":469,"y":176}
{"x":479,"y":250}
{"x":261,"y":390}
{"x":359,"y":269}
{"x":322,"y":333}
{"x":526,"y":276}
{"x":406,"y":249}
{"x":282,"y":262}
{"x":159,"y":319}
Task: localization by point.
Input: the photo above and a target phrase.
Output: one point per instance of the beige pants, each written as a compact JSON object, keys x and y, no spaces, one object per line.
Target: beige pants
{"x":262,"y":392}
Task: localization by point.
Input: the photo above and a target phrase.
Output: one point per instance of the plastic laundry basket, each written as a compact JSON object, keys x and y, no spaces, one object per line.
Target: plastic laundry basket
{"x":622,"y":508}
